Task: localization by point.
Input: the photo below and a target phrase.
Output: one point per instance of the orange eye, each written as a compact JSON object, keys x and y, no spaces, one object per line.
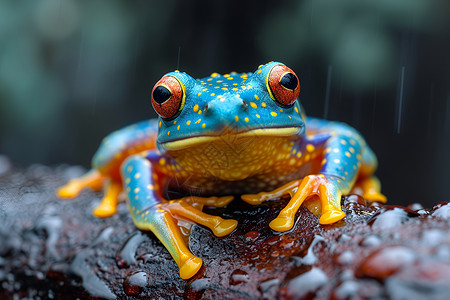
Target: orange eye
{"x":283,"y":85}
{"x":168,"y":97}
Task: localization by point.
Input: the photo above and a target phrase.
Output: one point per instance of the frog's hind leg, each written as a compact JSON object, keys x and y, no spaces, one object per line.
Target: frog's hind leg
{"x":367,"y":185}
{"x":108,"y":205}
{"x":369,"y":188}
{"x":92,"y":179}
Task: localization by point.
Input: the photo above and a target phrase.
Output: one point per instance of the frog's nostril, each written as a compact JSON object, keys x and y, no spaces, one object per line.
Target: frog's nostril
{"x":205,"y":110}
{"x":245,"y":105}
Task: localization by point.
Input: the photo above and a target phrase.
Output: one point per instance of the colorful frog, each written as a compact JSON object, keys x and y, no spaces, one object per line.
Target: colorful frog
{"x":235,"y":134}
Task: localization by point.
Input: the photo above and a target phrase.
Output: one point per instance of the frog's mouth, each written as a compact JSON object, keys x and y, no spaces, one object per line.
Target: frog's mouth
{"x":196,"y":140}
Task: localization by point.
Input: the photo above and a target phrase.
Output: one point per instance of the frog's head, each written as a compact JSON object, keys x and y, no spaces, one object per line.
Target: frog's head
{"x":259,"y":104}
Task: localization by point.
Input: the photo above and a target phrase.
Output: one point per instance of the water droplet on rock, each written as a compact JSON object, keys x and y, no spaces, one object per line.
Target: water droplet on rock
{"x":384,"y":262}
{"x":390,"y":216}
{"x":442,"y":210}
{"x":306,"y":284}
{"x":238,"y":276}
{"x":135,"y":283}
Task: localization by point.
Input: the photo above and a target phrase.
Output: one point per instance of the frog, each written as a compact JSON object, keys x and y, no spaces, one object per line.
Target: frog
{"x":224,"y":136}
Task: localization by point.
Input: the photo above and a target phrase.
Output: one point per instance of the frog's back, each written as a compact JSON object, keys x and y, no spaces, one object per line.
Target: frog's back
{"x":120,"y":144}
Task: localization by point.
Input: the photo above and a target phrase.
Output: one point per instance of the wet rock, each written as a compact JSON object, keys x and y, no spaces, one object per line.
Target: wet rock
{"x":52,"y":248}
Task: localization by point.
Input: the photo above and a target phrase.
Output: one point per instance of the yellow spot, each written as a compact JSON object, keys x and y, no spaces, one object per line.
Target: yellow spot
{"x":299,"y":154}
{"x":259,"y":71}
{"x":174,"y":122}
{"x":348,"y":154}
{"x":353,"y":142}
{"x":168,"y":132}
{"x":219,"y":81}
{"x":214,"y":74}
{"x":236,"y":118}
{"x":196,"y":108}
{"x":324,"y":161}
{"x":358,"y":156}
{"x":258,"y":116}
{"x":310,"y":148}
{"x":289,"y":117}
{"x":200,"y":112}
{"x":150,"y":187}
{"x":274,"y":114}
{"x":213,"y":94}
{"x":235,"y":83}
{"x":160,"y":210}
{"x":198,"y":121}
{"x":203,"y":125}
{"x":293,"y":151}
{"x":205,"y":89}
{"x":246,"y":119}
{"x":209,"y":79}
{"x":178,"y":127}
{"x":253,"y":104}
{"x":352,"y":150}
{"x":129,"y":169}
{"x":234,"y":89}
{"x":225,"y":89}
{"x":136,"y":190}
{"x":230,"y":78}
{"x":344,"y":142}
{"x":220,"y":96}
{"x":216,"y":87}
{"x":321,"y":175}
{"x":188,"y":122}
{"x":199,"y":94}
{"x":127,"y":181}
{"x":296,"y":109}
{"x":159,"y":125}
{"x":263,"y":104}
{"x":281,"y":110}
{"x":137,"y":176}
{"x":226,"y":75}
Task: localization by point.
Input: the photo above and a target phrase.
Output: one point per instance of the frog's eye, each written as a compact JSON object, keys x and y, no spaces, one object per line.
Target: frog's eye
{"x":283,"y":85}
{"x":168,"y":97}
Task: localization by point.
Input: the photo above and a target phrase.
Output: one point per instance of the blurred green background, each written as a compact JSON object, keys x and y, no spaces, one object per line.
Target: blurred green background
{"x":73,"y":71}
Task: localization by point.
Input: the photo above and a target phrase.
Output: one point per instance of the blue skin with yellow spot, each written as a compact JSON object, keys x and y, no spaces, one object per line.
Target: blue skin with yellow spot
{"x":230,"y":136}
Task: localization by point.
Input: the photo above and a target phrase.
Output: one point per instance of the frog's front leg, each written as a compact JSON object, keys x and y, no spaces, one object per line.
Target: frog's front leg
{"x":150,"y":211}
{"x":341,"y":156}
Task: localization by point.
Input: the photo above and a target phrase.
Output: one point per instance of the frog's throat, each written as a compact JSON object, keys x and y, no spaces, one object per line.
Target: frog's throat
{"x":191,"y":141}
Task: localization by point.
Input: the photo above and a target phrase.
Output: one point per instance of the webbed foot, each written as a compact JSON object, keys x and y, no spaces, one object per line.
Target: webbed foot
{"x":220,"y":227}
{"x":92,"y":179}
{"x":370,"y":189}
{"x":327,"y":188}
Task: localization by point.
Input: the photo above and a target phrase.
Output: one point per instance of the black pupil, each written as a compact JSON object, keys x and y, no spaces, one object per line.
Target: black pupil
{"x":289,"y":81}
{"x":161,"y":94}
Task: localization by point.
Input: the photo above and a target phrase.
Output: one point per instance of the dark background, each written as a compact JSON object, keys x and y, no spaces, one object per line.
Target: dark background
{"x":73,"y":71}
